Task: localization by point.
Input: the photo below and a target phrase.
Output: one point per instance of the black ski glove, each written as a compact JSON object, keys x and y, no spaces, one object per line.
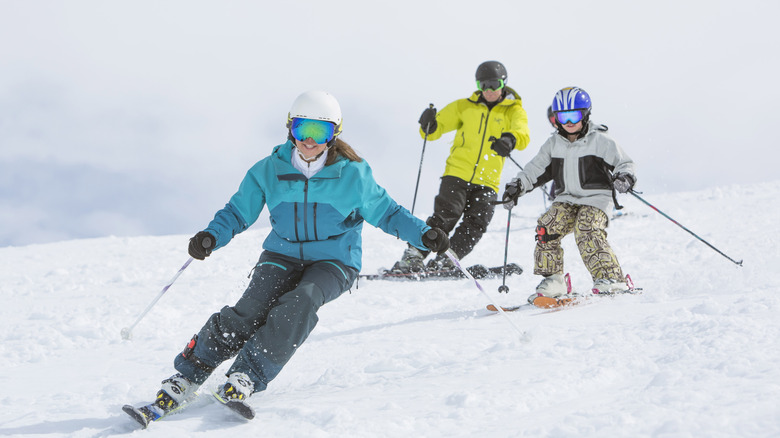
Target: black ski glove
{"x":512,"y":191}
{"x":623,"y":182}
{"x":504,"y":145}
{"x":436,"y":240}
{"x":428,"y":119}
{"x":201,"y":245}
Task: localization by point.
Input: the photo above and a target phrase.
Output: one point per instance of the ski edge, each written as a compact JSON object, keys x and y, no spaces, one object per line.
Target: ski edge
{"x":239,"y":407}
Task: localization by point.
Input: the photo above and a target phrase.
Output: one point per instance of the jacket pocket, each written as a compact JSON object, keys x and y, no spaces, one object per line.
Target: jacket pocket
{"x":595,"y":173}
{"x":460,"y":140}
{"x":554,"y":173}
{"x":556,"y":167}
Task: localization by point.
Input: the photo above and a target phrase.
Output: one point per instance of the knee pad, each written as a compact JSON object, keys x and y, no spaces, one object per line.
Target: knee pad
{"x":543,"y":236}
{"x":188,"y":353}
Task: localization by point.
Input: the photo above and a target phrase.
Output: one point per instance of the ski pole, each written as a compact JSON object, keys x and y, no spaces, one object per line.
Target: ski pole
{"x":738,"y":263}
{"x":503,"y":287}
{"x":127,"y":331}
{"x":419,"y":171}
{"x":545,"y":192}
{"x":513,"y":160}
{"x":451,"y":255}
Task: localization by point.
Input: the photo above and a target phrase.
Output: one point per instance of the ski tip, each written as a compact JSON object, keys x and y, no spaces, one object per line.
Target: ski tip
{"x":493,"y":308}
{"x":136,"y":415}
{"x":238,"y":407}
{"x":241,"y":409}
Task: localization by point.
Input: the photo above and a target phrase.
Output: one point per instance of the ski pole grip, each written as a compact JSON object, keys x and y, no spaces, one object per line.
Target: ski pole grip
{"x":206,"y":242}
{"x":428,"y":125}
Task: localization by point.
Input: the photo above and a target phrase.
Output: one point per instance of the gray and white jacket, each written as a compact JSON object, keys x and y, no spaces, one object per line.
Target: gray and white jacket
{"x":582,"y":170}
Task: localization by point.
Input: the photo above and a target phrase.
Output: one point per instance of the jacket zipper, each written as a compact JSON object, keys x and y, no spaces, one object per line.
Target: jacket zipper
{"x":305,"y":216}
{"x":305,"y":207}
{"x":297,"y":237}
{"x":481,"y":145}
{"x":314,"y":219}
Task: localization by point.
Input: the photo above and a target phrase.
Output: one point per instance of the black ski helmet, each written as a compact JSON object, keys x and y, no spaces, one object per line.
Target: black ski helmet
{"x":491,"y":70}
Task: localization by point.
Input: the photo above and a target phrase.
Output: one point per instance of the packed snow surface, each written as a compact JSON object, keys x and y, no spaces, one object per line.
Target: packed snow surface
{"x":695,"y":355}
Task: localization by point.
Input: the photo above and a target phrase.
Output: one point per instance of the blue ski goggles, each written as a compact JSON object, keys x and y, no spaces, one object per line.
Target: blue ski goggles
{"x":573,"y":116}
{"x":490,"y":84}
{"x":318,"y":130}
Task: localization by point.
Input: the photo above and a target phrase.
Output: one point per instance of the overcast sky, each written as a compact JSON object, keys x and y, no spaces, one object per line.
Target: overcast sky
{"x":133,"y":118}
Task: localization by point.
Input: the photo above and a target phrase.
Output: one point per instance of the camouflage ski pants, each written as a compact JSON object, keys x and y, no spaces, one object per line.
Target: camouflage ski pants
{"x":589,"y":227}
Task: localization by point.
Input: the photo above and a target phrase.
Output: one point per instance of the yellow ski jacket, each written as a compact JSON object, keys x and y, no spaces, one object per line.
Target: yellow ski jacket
{"x":471,"y":158}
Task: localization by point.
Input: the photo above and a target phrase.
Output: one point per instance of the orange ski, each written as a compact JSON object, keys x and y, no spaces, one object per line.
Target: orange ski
{"x":549,"y":303}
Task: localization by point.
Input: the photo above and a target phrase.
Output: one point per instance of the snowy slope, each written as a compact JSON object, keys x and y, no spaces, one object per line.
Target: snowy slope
{"x":696,"y":355}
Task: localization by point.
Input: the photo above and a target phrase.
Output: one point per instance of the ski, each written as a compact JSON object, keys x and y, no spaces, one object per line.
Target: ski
{"x":555,"y":305}
{"x":569,"y":300}
{"x":559,"y":303}
{"x":493,"y":308}
{"x":477,"y":271}
{"x":617,"y":214}
{"x":148,"y":414}
{"x":151,"y":413}
{"x":237,"y":406}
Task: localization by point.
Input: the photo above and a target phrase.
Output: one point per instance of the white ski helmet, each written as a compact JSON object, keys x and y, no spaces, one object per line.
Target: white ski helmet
{"x":316,"y":105}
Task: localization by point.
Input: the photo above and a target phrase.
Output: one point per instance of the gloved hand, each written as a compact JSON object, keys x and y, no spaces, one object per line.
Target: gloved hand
{"x":513,"y":190}
{"x":623,"y":182}
{"x":201,"y":245}
{"x":436,"y":240}
{"x":504,"y":145}
{"x":428,"y":116}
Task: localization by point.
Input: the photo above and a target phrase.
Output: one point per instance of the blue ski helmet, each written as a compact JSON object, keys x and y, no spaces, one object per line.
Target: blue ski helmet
{"x":571,"y":98}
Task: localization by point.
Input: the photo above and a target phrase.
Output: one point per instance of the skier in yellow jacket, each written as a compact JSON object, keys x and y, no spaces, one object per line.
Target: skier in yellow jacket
{"x":490,"y":124}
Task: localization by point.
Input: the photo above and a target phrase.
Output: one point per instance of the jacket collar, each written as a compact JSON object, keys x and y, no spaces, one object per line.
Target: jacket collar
{"x":510,"y":98}
{"x":592,"y":129}
{"x":283,"y":164}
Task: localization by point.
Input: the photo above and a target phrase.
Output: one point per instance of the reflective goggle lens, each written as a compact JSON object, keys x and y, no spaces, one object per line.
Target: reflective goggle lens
{"x":318,"y":130}
{"x":490,"y":84}
{"x":574,"y":116}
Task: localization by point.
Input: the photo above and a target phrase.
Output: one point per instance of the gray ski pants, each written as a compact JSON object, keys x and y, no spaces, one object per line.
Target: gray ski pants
{"x":269,"y":322}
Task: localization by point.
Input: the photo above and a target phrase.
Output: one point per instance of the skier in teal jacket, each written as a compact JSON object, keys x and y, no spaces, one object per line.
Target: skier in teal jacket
{"x":318,"y":192}
{"x":317,"y":218}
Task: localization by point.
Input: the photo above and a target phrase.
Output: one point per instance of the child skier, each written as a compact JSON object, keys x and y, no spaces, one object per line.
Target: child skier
{"x":587,"y":166}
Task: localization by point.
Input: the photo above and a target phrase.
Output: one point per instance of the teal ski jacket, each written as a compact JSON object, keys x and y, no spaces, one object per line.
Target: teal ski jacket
{"x":320,"y":218}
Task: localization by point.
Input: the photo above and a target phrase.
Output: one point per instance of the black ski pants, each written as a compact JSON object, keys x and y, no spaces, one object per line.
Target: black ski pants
{"x":458,"y":198}
{"x":269,"y":322}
